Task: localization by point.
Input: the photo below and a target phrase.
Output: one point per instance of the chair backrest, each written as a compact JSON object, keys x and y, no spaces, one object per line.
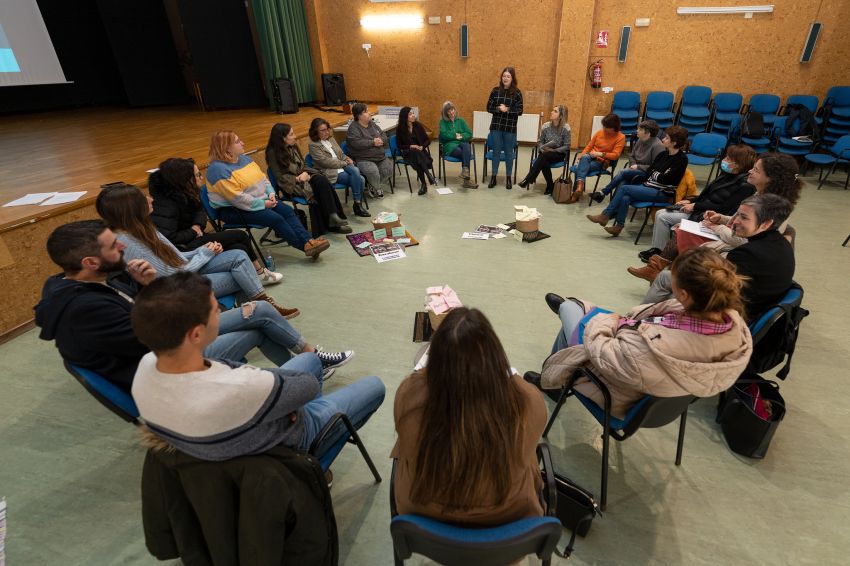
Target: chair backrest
{"x":659,"y":100}
{"x":107,"y":393}
{"x":708,"y":145}
{"x":774,"y":342}
{"x":528,"y":128}
{"x":841,"y":148}
{"x":625,"y":100}
{"x":696,"y":96}
{"x":765,"y":103}
{"x":838,"y":96}
{"x":656,"y":412}
{"x":308,"y":161}
{"x":344,"y":147}
{"x":394,"y":145}
{"x":810,"y":101}
{"x":728,"y":102}
{"x":481,"y":124}
{"x":212,"y":213}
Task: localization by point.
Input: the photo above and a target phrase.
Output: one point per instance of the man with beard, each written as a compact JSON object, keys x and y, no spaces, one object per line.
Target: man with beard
{"x":86,"y":310}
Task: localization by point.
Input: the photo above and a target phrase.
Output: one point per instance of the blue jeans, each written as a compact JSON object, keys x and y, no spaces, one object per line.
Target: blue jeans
{"x":244,"y":328}
{"x":357,"y":401}
{"x":619,"y":206}
{"x":281,"y":219}
{"x":587,"y":165}
{"x":232,"y":272}
{"x":464,"y":153}
{"x":625,"y":177}
{"x":351,"y":176}
{"x":570,"y":314}
{"x":503,"y":141}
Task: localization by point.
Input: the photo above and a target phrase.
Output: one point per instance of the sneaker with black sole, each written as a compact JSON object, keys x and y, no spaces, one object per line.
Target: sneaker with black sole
{"x":334,"y":359}
{"x":646,"y":254}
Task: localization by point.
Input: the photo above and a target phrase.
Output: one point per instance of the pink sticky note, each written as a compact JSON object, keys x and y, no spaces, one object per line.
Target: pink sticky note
{"x":434,"y":290}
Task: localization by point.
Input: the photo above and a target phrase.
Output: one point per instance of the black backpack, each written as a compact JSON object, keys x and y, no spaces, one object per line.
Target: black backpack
{"x":778,"y":342}
{"x":752,"y":125}
{"x":804,"y":120}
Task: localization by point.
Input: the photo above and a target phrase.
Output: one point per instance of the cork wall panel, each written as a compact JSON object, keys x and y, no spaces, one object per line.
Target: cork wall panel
{"x":423,"y":67}
{"x":725,"y":52}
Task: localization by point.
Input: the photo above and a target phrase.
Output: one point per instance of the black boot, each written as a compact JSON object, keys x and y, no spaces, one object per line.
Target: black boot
{"x":492,"y":182}
{"x":431,"y":178}
{"x":524,"y":183}
{"x":358,"y":211}
{"x":549,"y":189}
{"x":508,"y":184}
{"x":423,"y":188}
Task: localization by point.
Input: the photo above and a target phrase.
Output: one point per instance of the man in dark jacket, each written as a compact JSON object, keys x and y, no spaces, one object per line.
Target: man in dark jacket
{"x":86,"y":310}
{"x":767,"y":259}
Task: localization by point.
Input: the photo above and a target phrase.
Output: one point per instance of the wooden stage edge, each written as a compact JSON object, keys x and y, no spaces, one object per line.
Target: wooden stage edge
{"x":80,"y":150}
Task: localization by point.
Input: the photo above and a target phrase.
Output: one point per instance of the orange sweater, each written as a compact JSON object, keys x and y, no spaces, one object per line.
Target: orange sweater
{"x":611,"y":146}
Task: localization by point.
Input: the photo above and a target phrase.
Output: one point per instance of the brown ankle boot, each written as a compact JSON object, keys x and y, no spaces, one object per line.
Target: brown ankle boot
{"x":576,"y":196}
{"x":614,"y":230}
{"x":286,"y":313}
{"x":601,"y":219}
{"x":314,"y":247}
{"x":658,"y":262}
{"x":647,"y":272}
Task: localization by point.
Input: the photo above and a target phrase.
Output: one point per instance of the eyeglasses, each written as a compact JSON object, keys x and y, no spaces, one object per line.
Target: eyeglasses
{"x":199,"y":175}
{"x":322,"y":129}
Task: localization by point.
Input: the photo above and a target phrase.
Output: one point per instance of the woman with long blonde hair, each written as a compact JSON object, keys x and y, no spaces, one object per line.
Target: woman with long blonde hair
{"x":552,"y":147}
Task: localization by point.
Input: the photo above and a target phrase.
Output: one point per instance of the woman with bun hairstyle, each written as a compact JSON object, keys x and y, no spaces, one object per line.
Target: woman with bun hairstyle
{"x":695,"y":344}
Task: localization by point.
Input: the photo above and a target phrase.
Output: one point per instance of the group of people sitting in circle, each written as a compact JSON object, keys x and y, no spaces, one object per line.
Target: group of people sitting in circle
{"x":138,"y":302}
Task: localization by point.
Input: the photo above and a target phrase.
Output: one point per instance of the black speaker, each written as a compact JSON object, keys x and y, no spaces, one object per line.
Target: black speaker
{"x":334,"y":86}
{"x":285,"y":99}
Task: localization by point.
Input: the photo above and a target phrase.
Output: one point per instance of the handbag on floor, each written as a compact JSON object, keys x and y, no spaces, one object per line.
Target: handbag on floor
{"x":562,"y":191}
{"x":749,"y":414}
{"x":576,"y":510}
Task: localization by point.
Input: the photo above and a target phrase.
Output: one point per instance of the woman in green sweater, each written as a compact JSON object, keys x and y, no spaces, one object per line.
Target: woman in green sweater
{"x":455,"y":135}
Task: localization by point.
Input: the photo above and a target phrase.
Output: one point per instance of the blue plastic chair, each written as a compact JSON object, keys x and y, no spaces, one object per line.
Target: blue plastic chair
{"x":107,"y":393}
{"x":767,"y":105}
{"x":694,"y":109}
{"x":660,"y":106}
{"x":626,"y":105}
{"x":218,"y":224}
{"x":326,"y":455}
{"x":837,"y":123}
{"x":441,"y":166}
{"x":455,"y":545}
{"x":789,"y":145}
{"x":810,"y":101}
{"x":612,"y":166}
{"x":725,"y":107}
{"x":760,"y":144}
{"x":398,"y":160}
{"x":764,"y":355}
{"x":647,"y":412}
{"x":558,"y":164}
{"x":308,"y":161}
{"x":839,"y":154}
{"x":488,"y":155}
{"x":707,"y":149}
{"x":660,"y":200}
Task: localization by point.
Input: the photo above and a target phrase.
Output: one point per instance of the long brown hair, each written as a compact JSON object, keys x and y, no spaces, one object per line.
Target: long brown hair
{"x":473,"y":419}
{"x":513,"y":88}
{"x":125,"y":208}
{"x":276,"y":149}
{"x":180,"y":174}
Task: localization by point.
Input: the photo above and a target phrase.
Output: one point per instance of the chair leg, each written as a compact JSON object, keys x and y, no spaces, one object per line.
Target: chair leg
{"x":642,"y":226}
{"x":558,"y":405}
{"x":407,"y":172}
{"x":606,"y":445}
{"x":681,"y":443}
{"x":847,"y":239}
{"x":355,"y":438}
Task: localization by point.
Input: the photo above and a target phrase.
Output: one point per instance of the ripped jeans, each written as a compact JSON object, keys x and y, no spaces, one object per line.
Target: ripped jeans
{"x":252,"y":325}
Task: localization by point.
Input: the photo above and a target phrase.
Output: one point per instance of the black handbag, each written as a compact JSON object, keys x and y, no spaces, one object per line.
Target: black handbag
{"x":576,"y":510}
{"x":747,"y":433}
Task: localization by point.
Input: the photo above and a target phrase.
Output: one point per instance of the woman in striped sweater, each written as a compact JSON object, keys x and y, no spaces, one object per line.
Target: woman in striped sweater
{"x":128,"y":212}
{"x":505,"y":104}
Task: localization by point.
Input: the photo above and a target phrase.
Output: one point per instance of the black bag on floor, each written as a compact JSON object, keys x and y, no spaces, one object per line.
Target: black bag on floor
{"x":749,"y":414}
{"x":576,"y":510}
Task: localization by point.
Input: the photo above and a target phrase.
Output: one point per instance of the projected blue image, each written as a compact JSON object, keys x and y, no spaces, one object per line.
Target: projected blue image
{"x":8,"y":63}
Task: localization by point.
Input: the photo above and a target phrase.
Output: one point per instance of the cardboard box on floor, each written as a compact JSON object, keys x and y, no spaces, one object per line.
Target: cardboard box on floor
{"x":439,"y":301}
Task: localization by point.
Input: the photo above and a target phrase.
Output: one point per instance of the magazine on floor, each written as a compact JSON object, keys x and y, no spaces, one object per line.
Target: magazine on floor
{"x":387,"y":252}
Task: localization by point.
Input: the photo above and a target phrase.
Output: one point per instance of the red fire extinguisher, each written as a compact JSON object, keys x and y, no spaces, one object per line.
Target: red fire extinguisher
{"x":594,"y":73}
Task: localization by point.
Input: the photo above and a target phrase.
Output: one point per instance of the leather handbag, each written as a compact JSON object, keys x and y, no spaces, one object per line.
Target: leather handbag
{"x":576,"y":509}
{"x":749,"y":414}
{"x":563,"y":190}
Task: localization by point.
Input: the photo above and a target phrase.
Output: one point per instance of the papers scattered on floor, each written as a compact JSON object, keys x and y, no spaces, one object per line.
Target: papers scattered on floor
{"x":441,"y":300}
{"x":444,"y":191}
{"x":32,"y":198}
{"x":484,"y":228}
{"x":499,"y":236}
{"x":475,"y":236}
{"x":503,"y":227}
{"x":63,"y":198}
{"x":385,"y":217}
{"x":387,"y":252}
{"x":698,"y":228}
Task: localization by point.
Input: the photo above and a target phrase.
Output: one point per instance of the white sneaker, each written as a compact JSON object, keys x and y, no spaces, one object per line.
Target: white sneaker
{"x":270,"y":277}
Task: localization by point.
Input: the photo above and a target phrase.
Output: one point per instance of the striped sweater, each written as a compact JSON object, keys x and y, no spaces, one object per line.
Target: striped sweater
{"x":242,"y":184}
{"x":226,"y":411}
{"x":195,"y":259}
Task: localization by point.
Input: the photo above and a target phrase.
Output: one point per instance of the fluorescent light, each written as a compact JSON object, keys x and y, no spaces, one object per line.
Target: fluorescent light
{"x":748,"y":11}
{"x":392,"y":22}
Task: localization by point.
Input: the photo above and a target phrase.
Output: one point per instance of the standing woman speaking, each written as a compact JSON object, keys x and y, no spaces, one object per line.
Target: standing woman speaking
{"x":505,"y":104}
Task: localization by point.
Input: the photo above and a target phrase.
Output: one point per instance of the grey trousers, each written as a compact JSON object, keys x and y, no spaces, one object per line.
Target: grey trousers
{"x":661,"y":289}
{"x":664,"y":222}
{"x":378,"y":174}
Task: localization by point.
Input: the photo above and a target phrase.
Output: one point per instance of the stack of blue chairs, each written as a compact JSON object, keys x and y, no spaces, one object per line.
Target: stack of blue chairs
{"x":725,"y":108}
{"x":768,"y":106}
{"x":784,"y":143}
{"x":838,"y":122}
{"x":627,"y":106}
{"x":694,"y":110}
{"x":659,"y":106}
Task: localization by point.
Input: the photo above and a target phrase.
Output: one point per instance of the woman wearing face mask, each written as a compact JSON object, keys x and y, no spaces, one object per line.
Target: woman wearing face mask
{"x":553,"y":147}
{"x":505,"y":104}
{"x":413,"y":142}
{"x":295,"y":179}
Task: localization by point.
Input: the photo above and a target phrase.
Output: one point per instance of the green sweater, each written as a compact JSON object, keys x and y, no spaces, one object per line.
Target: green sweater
{"x":448,"y":131}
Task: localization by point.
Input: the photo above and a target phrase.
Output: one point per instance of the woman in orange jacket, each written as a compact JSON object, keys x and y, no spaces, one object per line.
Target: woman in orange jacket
{"x":604,"y":146}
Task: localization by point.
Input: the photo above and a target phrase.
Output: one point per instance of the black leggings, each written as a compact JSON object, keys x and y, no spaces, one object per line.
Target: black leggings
{"x":541,"y":165}
{"x":229,"y":240}
{"x":327,"y":201}
{"x":420,"y":161}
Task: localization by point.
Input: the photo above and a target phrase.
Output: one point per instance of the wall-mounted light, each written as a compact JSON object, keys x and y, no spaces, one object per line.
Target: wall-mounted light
{"x":392,"y":22}
{"x":748,"y":11}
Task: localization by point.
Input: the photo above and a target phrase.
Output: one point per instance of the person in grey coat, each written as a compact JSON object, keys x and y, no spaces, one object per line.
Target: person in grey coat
{"x":367,"y":145}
